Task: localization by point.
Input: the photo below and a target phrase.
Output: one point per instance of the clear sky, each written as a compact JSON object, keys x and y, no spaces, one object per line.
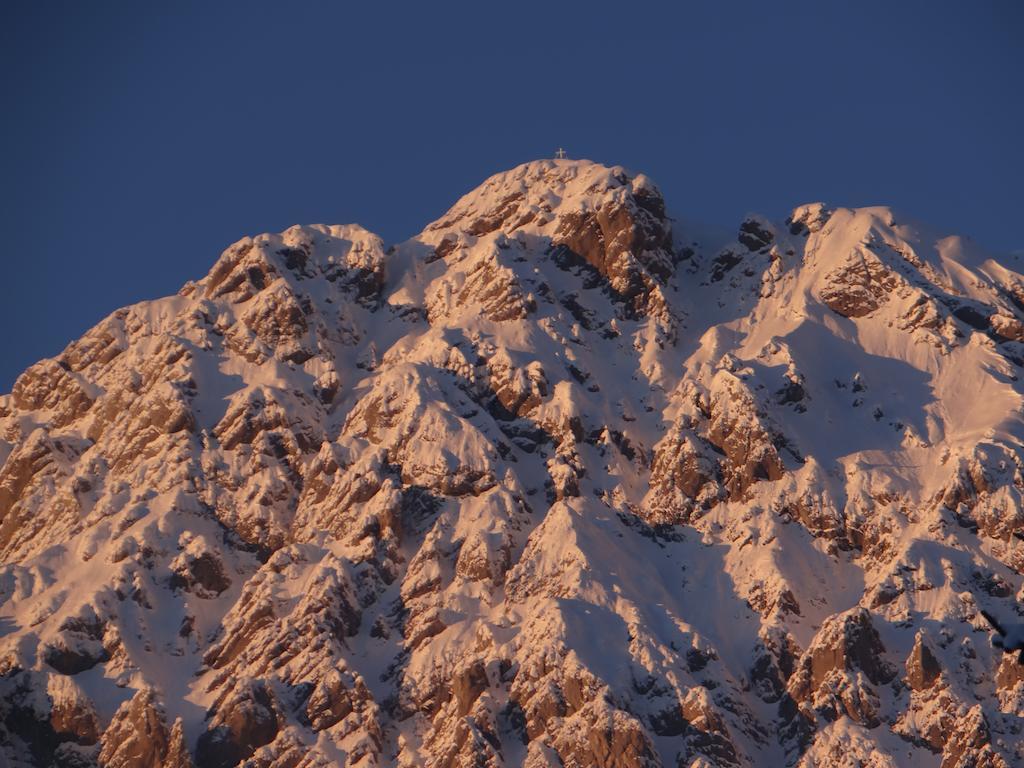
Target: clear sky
{"x":137,"y":140}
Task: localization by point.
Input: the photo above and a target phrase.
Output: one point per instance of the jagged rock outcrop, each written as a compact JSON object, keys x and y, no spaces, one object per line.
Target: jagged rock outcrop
{"x":922,"y":668}
{"x":840,"y":672}
{"x":970,"y":743}
{"x":245,"y":719}
{"x":137,"y":735}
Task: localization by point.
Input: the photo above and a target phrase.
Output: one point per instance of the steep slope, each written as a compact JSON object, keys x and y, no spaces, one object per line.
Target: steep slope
{"x":549,"y":484}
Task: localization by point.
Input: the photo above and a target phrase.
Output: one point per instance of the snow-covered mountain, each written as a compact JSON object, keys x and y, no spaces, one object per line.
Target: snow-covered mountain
{"x":557,"y":482}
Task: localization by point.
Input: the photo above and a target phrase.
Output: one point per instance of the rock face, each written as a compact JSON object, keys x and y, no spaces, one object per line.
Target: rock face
{"x":137,"y":735}
{"x":839,"y":673}
{"x":923,"y":669}
{"x":550,"y":484}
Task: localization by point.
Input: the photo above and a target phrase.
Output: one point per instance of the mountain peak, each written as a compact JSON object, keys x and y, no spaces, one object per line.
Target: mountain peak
{"x":577,"y":214}
{"x":536,"y":487}
{"x":534,"y":193}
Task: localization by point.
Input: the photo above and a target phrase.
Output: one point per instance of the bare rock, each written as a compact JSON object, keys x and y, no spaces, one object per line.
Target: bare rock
{"x":808,"y":218}
{"x":756,"y":233}
{"x":923,"y":669}
{"x":79,"y":644}
{"x":47,"y":385}
{"x":970,"y":744}
{"x":468,"y":682}
{"x":177,"y":755}
{"x":72,"y":715}
{"x":239,"y":723}
{"x":1010,"y":671}
{"x":607,"y":738}
{"x":202,"y":574}
{"x":847,"y":642}
{"x":860,"y":286}
{"x":489,"y":287}
{"x":738,"y":428}
{"x":685,"y":474}
{"x":333,"y":699}
{"x":137,"y":737}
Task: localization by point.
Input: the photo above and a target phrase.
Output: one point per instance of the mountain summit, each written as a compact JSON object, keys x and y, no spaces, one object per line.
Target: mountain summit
{"x":556,"y":482}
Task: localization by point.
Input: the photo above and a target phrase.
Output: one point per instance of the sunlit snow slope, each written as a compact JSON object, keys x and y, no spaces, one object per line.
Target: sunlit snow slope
{"x":557,"y":482}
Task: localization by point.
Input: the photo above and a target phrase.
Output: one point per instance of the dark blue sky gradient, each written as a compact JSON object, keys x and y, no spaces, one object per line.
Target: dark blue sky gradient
{"x":137,"y":140}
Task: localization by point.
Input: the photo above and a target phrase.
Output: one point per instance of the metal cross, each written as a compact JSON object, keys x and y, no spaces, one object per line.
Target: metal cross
{"x":560,"y":154}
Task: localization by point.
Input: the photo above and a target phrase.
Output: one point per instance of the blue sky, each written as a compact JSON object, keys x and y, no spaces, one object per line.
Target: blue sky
{"x":140,"y":139}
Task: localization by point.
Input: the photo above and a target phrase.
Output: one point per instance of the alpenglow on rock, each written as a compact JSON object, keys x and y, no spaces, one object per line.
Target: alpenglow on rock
{"x":557,"y":482}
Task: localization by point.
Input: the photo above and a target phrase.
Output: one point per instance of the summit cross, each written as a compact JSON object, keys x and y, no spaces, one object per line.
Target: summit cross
{"x":560,"y":154}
